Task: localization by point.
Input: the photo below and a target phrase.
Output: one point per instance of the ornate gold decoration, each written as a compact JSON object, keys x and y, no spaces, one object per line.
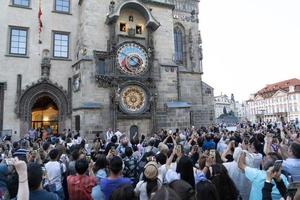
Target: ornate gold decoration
{"x":133,"y":98}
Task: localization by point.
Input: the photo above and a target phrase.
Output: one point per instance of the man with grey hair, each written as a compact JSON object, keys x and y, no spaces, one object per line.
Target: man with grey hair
{"x":237,"y":175}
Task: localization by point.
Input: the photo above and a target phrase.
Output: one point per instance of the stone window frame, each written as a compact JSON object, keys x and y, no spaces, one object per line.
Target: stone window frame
{"x":53,"y":45}
{"x":62,"y":11}
{"x":183,"y":62}
{"x":14,"y":4}
{"x":10,"y":28}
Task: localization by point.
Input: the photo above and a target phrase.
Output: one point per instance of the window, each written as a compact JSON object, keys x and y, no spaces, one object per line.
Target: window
{"x":122,"y":27}
{"x":77,"y":122}
{"x":62,"y":5}
{"x":61,"y":45}
{"x":138,"y":29}
{"x":18,"y":41}
{"x":178,"y":41}
{"x":100,"y":66}
{"x":23,"y":3}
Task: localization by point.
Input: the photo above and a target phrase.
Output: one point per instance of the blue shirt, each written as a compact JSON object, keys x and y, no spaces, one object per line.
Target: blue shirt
{"x":42,"y":194}
{"x":207,"y":145}
{"x":292,"y":167}
{"x":101,"y":173}
{"x":97,"y":194}
{"x":109,"y":185}
{"x":257,"y":179}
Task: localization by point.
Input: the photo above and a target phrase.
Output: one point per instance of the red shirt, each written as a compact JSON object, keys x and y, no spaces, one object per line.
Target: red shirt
{"x":80,"y":187}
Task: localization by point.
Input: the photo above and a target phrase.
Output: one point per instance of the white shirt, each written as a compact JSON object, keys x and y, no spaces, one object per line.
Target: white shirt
{"x":109,"y":135}
{"x":141,"y":189}
{"x":118,"y":134}
{"x":53,"y":169}
{"x":239,"y":178}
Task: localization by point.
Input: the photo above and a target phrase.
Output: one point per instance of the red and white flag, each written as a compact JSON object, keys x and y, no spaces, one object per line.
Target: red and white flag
{"x":40,"y":17}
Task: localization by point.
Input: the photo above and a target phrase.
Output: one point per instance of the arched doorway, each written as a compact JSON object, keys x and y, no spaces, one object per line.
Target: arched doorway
{"x":133,"y":130}
{"x":44,"y":114}
{"x":36,"y":96}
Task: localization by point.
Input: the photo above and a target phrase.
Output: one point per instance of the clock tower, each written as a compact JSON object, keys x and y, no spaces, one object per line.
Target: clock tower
{"x":139,"y":68}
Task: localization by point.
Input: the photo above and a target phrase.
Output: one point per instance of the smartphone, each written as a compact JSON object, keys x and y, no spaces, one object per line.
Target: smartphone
{"x":88,"y":158}
{"x":178,"y":149}
{"x":9,"y":161}
{"x":212,"y":153}
{"x":277,"y":165}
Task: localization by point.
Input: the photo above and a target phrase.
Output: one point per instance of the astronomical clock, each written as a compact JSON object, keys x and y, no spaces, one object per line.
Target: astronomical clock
{"x":132,"y":62}
{"x":132,"y":59}
{"x":134,"y":99}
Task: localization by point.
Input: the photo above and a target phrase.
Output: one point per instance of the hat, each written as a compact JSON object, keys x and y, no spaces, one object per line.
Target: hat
{"x":151,"y":170}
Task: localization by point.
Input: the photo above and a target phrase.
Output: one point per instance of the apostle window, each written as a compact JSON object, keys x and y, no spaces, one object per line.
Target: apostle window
{"x":18,"y":41}
{"x":138,"y":29}
{"x":178,"y":42}
{"x":62,"y":6}
{"x":122,"y":27}
{"x":22,"y":3}
{"x":60,"y":45}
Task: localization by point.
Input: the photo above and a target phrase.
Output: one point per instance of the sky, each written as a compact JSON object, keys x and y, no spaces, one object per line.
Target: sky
{"x":248,"y":44}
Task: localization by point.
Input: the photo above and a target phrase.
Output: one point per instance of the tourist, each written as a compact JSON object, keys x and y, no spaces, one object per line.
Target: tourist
{"x":125,"y":192}
{"x":208,"y":143}
{"x":80,"y":186}
{"x":225,"y":186}
{"x":257,"y":177}
{"x":35,"y":177}
{"x":115,"y":179}
{"x":150,"y":183}
{"x":130,"y":166}
{"x":206,"y":190}
{"x":291,"y":165}
{"x":55,"y":171}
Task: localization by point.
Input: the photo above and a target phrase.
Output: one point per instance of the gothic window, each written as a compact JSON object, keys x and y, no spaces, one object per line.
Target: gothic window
{"x":179,"y":44}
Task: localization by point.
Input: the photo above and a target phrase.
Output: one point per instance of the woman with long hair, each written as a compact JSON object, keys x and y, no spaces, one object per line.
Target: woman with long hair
{"x":186,"y":171}
{"x":206,"y":190}
{"x":225,"y":186}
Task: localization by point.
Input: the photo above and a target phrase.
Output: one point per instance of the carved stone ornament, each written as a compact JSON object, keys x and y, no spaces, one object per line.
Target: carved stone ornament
{"x":46,"y":64}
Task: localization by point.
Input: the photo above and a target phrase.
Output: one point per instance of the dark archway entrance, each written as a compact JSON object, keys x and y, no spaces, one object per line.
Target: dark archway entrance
{"x":44,"y":114}
{"x":133,"y":130}
{"x":35,"y":96}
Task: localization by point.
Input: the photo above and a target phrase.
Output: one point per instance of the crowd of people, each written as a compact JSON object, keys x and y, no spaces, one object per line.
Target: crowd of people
{"x":255,"y":161}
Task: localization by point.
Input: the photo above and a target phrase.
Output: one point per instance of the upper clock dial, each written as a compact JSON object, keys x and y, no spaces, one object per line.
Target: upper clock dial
{"x":132,"y":59}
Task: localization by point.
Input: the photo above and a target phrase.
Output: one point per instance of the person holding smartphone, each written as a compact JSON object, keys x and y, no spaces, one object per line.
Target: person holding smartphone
{"x":274,"y":173}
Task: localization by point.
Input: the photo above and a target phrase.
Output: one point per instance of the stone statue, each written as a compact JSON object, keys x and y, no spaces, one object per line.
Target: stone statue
{"x":112,"y":7}
{"x":46,"y":64}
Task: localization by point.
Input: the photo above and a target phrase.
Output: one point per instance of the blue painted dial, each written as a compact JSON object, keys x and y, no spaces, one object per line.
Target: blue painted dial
{"x":132,"y":59}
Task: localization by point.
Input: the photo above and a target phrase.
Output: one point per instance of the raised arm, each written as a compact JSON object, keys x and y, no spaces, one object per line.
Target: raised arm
{"x":23,"y":189}
{"x":242,"y":163}
{"x":268,"y":143}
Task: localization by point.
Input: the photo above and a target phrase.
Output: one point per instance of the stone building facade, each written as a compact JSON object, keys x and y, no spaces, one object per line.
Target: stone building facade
{"x":90,"y":65}
{"x":276,"y":102}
